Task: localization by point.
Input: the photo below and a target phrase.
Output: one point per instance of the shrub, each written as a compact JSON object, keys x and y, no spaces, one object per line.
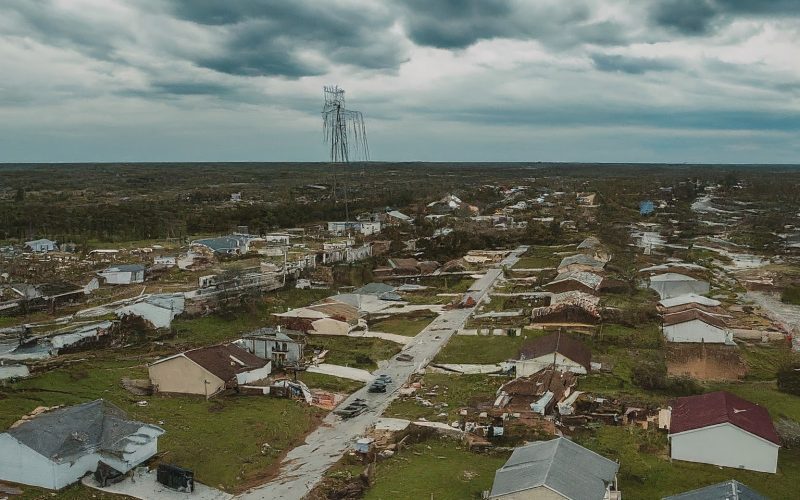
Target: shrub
{"x":789,"y":379}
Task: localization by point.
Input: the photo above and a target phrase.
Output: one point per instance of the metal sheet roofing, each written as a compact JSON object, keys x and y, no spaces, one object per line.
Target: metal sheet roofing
{"x":560,"y":465}
{"x":714,"y":408}
{"x":728,"y":490}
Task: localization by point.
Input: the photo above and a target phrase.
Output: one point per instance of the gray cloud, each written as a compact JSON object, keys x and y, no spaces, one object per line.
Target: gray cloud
{"x":267,"y":37}
{"x":700,"y":17}
{"x":631,"y":65}
{"x":456,"y":24}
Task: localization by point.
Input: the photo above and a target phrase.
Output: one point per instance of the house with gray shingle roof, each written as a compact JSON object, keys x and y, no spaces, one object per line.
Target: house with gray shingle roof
{"x":728,"y":490}
{"x":53,"y":449}
{"x":556,"y":469}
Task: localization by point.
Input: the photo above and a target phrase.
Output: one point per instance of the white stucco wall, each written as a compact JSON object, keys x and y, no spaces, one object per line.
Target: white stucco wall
{"x":253,"y":375}
{"x":123,"y":277}
{"x":725,"y":445}
{"x":695,"y":331}
{"x":535,"y":365}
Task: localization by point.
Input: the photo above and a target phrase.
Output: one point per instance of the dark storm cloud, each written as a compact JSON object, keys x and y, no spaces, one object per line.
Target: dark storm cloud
{"x":43,"y":21}
{"x":691,"y":17}
{"x":631,"y":65}
{"x":699,"y":17}
{"x":457,"y":24}
{"x":267,"y":37}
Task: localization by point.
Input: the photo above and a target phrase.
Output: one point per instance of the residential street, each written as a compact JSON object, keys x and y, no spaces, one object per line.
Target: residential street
{"x":305,"y":465}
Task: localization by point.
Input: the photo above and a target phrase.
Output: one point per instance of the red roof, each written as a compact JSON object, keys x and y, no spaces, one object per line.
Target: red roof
{"x":696,"y":412}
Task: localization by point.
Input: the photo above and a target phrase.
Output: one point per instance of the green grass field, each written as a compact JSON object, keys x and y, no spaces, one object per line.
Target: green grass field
{"x":358,"y":352}
{"x":219,"y":439}
{"x":329,"y":382}
{"x":408,"y":326}
{"x":647,"y":473}
{"x":435,"y":469}
{"x":454,"y":390}
{"x":479,"y":349}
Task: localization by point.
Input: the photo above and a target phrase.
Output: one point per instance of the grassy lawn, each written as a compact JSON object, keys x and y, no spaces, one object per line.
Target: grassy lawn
{"x":646,"y":472}
{"x":646,"y":336}
{"x":766,"y":393}
{"x":764,"y":361}
{"x":358,"y":352}
{"x":542,"y":256}
{"x":479,"y":349}
{"x":406,"y":325}
{"x":453,"y":390}
{"x":435,"y":469}
{"x":218,"y":455}
{"x":216,"y":328}
{"x":329,"y":382}
{"x":535,"y":262}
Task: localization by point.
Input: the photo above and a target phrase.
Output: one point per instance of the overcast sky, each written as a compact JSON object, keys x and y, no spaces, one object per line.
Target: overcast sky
{"x":474,"y":80}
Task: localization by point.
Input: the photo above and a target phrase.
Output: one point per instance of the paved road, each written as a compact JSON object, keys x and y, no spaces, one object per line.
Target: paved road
{"x":305,"y":465}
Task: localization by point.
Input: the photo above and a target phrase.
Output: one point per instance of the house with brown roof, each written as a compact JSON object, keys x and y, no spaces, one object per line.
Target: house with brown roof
{"x":581,"y":281}
{"x":569,"y":307}
{"x":695,"y":326}
{"x":557,"y":350}
{"x":207,"y":371}
{"x":722,"y":429}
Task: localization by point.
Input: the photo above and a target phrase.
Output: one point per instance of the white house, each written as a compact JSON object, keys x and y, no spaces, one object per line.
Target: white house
{"x":694,"y":325}
{"x":41,"y":245}
{"x":719,"y":428}
{"x":53,"y":449}
{"x":124,"y":274}
{"x":669,"y":285}
{"x":158,"y":310}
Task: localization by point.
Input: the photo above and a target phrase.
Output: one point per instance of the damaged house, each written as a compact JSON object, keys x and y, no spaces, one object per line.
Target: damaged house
{"x":53,"y":449}
{"x":158,"y":310}
{"x":282,"y":347}
{"x":332,"y":318}
{"x":207,"y":371}
{"x":569,"y":307}
{"x":580,"y":262}
{"x":537,"y":393}
{"x":575,"y":281}
{"x":124,"y":274}
{"x":557,"y":350}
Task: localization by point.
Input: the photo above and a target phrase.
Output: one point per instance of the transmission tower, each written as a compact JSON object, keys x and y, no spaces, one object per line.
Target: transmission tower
{"x":344,"y":131}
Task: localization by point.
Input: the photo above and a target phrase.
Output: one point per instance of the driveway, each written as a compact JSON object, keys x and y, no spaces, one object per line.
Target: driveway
{"x":305,"y":465}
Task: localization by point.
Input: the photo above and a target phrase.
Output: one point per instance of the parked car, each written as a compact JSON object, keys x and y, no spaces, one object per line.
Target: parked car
{"x":404,"y":357}
{"x":385,"y":378}
{"x":357,"y":407}
{"x":377,"y":387}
